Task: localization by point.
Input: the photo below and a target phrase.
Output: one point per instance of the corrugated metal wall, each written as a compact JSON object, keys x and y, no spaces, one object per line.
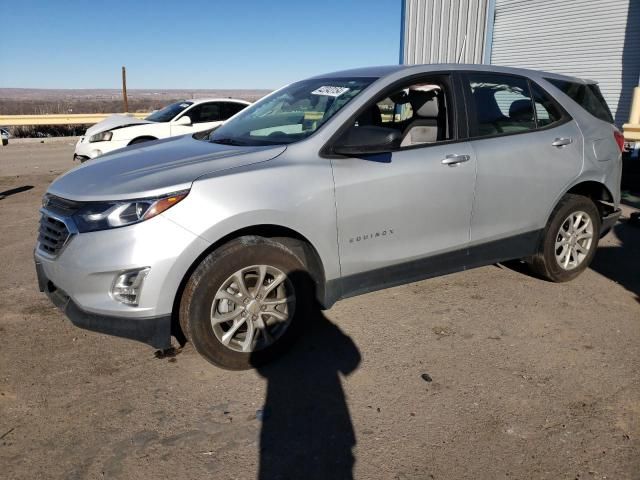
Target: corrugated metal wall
{"x":585,"y":38}
{"x":443,"y":31}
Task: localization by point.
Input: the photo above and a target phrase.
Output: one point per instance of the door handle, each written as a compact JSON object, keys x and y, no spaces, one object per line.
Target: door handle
{"x":453,"y":159}
{"x":561,"y":142}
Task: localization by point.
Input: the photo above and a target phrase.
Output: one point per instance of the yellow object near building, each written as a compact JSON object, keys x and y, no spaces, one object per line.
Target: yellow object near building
{"x":632,"y":129}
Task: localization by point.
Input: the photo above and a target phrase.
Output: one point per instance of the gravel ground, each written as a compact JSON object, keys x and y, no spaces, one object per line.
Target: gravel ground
{"x":484,"y":374}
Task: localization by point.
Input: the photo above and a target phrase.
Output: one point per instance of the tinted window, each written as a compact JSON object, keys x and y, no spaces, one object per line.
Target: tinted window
{"x":229,"y":109}
{"x":207,"y":112}
{"x":501,"y":104}
{"x":588,"y":96}
{"x":547,"y":111}
{"x":169,"y":112}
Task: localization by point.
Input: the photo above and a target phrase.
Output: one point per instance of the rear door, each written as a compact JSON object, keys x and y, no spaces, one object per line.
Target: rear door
{"x":528,"y":151}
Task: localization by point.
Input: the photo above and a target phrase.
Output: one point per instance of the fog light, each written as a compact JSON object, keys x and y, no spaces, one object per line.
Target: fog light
{"x":128,"y":285}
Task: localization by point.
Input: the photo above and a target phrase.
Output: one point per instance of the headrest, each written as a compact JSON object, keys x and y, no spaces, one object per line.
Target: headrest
{"x":371,"y":116}
{"x":429,"y":109}
{"x":521,"y":110}
{"x":400,"y":97}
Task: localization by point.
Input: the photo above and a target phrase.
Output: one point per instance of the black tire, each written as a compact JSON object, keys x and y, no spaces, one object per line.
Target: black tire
{"x":135,"y":141}
{"x":544,"y":262}
{"x":216,"y":268}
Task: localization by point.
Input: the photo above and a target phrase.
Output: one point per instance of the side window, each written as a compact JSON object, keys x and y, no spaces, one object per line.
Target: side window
{"x":193,"y":114}
{"x":421,"y":112}
{"x":588,"y":96}
{"x":501,"y":104}
{"x":547,"y":111}
{"x":208,"y":112}
{"x":229,"y":109}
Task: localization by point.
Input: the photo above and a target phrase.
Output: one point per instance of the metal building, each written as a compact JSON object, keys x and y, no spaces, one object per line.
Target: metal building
{"x":592,"y":39}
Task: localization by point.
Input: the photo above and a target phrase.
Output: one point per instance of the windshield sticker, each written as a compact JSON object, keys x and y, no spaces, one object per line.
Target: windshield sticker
{"x":184,"y":105}
{"x":330,"y":91}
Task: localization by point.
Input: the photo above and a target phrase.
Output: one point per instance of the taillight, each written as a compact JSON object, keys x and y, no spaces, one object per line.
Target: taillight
{"x":619,"y":139}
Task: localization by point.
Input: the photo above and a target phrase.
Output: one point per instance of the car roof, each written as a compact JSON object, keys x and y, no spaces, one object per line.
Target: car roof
{"x":197,"y":101}
{"x":385,"y":70}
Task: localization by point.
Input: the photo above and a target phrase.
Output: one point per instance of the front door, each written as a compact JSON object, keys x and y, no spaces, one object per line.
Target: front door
{"x":405,"y":214}
{"x":203,"y":117}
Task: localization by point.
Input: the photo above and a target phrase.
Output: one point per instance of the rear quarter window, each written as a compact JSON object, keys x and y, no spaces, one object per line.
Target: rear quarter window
{"x":588,"y":96}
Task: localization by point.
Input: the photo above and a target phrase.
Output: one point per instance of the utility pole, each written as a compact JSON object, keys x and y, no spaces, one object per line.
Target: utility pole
{"x":124,"y":90}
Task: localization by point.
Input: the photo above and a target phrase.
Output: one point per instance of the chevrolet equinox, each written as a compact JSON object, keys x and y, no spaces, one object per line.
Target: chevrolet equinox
{"x":330,"y":187}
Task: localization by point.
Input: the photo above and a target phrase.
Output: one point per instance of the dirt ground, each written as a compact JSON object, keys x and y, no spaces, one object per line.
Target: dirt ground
{"x":528,"y":379}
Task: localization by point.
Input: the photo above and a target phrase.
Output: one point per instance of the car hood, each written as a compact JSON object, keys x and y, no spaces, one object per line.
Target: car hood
{"x":154,"y":168}
{"x":114,"y":121}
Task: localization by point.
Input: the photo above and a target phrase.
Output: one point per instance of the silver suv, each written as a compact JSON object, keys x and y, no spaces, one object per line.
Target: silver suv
{"x":330,"y":187}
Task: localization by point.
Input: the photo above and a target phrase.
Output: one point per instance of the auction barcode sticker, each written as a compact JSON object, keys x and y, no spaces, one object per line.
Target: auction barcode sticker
{"x":330,"y":91}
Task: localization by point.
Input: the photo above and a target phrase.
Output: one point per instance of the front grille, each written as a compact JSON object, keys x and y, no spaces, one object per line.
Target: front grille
{"x":53,"y":235}
{"x":60,"y":205}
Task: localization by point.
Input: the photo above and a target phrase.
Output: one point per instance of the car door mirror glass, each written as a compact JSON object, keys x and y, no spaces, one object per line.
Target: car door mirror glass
{"x":367,"y":139}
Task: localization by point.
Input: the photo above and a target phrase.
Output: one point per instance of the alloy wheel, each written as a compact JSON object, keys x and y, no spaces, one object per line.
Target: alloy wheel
{"x":574,"y":240}
{"x":253,"y":308}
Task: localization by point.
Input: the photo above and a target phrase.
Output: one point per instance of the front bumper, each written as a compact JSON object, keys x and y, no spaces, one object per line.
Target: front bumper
{"x":80,"y":276}
{"x":154,"y":331}
{"x":86,"y":150}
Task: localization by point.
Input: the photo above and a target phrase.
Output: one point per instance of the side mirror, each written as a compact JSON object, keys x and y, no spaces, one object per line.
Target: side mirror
{"x":183,"y":120}
{"x":367,"y":139}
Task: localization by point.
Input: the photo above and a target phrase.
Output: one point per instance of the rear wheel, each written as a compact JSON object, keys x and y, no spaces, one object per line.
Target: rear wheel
{"x":570,"y":239}
{"x":244,"y":303}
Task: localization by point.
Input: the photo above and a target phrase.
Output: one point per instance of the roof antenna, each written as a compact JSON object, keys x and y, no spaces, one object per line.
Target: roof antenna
{"x":464,"y":41}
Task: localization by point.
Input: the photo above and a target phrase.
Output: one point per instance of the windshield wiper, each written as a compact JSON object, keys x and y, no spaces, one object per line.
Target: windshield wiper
{"x":227,"y":141}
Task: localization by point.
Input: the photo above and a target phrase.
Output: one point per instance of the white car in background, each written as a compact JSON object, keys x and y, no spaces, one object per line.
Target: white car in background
{"x":4,"y":136}
{"x":180,"y":118}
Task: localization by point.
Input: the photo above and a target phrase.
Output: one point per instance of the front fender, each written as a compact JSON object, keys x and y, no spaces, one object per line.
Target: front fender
{"x":294,"y":195}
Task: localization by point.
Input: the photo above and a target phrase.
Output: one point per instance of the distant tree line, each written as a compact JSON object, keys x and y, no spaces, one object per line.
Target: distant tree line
{"x":47,"y":107}
{"x":44,"y":131}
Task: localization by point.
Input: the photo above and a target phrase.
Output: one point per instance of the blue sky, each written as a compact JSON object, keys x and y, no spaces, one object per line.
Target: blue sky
{"x":191,"y":44}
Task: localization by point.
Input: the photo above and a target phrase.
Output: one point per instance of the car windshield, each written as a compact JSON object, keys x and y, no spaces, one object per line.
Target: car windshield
{"x":169,"y":112}
{"x":290,"y":114}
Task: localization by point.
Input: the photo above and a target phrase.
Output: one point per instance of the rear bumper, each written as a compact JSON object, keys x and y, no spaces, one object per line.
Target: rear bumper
{"x":154,"y":331}
{"x":608,"y":221}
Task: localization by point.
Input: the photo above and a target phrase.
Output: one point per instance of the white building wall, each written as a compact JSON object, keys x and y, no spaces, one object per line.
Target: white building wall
{"x":596,"y":39}
{"x":599,"y":40}
{"x":443,"y":31}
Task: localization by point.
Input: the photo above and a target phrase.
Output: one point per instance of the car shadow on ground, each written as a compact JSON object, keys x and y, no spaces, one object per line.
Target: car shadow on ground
{"x":621,"y":263}
{"x":13,"y":191}
{"x":307,"y":431}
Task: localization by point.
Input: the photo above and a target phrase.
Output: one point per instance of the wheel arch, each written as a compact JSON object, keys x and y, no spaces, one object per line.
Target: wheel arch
{"x":146,"y":138}
{"x":596,"y":191}
{"x":291,"y":238}
{"x":593,"y":189}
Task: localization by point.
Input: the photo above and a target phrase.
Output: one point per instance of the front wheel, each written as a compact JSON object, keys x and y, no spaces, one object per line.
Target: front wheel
{"x":569,"y":241}
{"x":244,"y":303}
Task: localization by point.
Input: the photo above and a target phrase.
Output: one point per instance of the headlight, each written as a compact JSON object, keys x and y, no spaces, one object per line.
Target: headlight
{"x":105,"y":215}
{"x":101,"y":137}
